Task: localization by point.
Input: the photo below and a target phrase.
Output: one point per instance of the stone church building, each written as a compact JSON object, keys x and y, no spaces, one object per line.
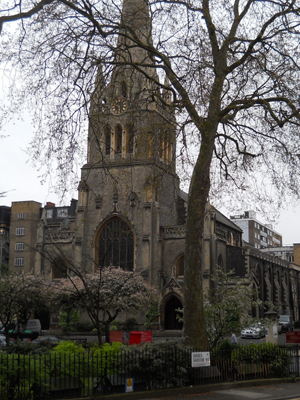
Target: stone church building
{"x":130,"y":210}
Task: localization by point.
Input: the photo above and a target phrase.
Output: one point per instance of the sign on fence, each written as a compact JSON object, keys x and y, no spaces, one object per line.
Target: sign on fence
{"x":129,"y":384}
{"x":293,"y":337}
{"x":125,"y":337}
{"x":119,"y":336}
{"x":201,"y":359}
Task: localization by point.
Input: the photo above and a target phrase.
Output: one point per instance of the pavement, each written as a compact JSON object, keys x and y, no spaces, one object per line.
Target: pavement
{"x":266,"y":389}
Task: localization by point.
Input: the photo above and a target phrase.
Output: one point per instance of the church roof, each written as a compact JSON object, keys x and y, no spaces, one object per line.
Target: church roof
{"x":225,"y":221}
{"x":183,"y":195}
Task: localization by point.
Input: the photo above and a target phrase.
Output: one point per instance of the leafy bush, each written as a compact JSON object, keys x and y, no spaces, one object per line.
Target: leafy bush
{"x":84,"y":327}
{"x":68,"y":347}
{"x":68,"y":322}
{"x":20,"y":373}
{"x":222,"y":351}
{"x":19,"y":347}
{"x":159,"y":365}
{"x":114,"y":326}
{"x":129,"y":324}
{"x":275,"y":359}
{"x":151,"y":313}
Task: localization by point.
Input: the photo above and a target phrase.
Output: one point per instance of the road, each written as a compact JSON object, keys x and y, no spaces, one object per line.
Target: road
{"x":280,"y":391}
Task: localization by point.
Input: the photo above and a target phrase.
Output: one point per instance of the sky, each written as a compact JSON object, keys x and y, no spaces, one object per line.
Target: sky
{"x":22,"y":182}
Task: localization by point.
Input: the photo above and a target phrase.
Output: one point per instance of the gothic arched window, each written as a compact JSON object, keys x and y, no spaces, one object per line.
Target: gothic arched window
{"x":220,"y":261}
{"x":107,"y":136}
{"x":165,"y":146}
{"x":124,"y":89}
{"x":180,"y":266}
{"x":118,"y":139}
{"x":59,"y":269}
{"x":116,"y":244}
{"x":130,"y":139}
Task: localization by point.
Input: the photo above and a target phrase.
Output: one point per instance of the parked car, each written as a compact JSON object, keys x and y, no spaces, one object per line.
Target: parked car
{"x":285,"y":323}
{"x":2,"y":340}
{"x":47,"y":339}
{"x":34,"y":325}
{"x":256,"y":331}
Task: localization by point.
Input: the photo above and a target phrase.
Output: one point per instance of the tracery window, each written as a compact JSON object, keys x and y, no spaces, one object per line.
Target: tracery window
{"x":118,"y":139}
{"x":116,"y":244}
{"x":180,"y":266}
{"x":124,"y":89}
{"x":165,"y":147}
{"x":130,"y":138}
{"x":107,"y":136}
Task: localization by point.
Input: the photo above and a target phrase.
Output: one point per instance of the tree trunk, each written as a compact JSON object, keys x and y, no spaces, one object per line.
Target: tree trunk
{"x":97,"y":325}
{"x":106,"y":325}
{"x":194,"y":321}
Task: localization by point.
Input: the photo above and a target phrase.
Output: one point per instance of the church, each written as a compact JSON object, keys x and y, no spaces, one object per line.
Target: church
{"x":130,"y":210}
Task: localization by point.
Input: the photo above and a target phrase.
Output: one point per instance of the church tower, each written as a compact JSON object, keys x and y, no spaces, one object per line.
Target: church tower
{"x":129,"y":188}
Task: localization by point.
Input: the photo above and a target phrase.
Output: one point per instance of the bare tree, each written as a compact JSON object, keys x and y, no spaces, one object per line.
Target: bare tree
{"x":234,"y":73}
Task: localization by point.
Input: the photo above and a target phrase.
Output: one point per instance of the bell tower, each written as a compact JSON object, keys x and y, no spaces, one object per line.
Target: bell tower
{"x":130,"y":169}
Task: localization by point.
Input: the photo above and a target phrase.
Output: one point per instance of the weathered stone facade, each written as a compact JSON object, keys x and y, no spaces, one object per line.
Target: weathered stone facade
{"x":131,"y":211}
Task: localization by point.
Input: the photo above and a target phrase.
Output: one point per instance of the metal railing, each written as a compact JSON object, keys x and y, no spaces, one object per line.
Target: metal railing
{"x":51,"y":375}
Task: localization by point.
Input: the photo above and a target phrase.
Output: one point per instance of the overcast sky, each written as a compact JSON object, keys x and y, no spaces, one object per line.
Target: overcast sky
{"x":22,"y":182}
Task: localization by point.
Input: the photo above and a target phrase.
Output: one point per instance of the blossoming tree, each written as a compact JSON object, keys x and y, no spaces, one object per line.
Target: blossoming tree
{"x":103,"y":295}
{"x":20,"y":295}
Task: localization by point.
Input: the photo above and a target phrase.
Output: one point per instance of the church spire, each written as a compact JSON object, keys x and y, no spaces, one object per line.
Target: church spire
{"x":135,"y":15}
{"x":135,"y":24}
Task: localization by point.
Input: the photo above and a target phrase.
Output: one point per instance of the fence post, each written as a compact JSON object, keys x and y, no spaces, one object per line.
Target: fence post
{"x":105,"y":374}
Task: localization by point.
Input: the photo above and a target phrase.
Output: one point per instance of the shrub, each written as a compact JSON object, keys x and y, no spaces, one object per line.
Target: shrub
{"x":84,"y":327}
{"x":114,"y":326}
{"x":129,"y":324}
{"x":275,"y":359}
{"x":68,"y":322}
{"x":68,"y":347}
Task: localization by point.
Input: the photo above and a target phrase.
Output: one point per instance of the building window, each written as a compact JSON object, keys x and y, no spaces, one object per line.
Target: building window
{"x":220,"y":261}
{"x":19,"y":261}
{"x":49,"y":213}
{"x":59,"y":269}
{"x":21,"y":215}
{"x":118,"y":139}
{"x":165,"y":146}
{"x":20,"y":231}
{"x":19,"y":246}
{"x":116,"y":244}
{"x":130,"y":138}
{"x":124,"y":89}
{"x":107,"y":136}
{"x":62,"y":212}
{"x":180,"y":267}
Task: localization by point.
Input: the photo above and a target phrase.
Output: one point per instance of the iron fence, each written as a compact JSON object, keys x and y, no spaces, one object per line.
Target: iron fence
{"x":49,"y":376}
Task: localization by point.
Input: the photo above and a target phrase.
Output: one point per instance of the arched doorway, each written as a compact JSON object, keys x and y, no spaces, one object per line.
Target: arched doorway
{"x":171,"y":322}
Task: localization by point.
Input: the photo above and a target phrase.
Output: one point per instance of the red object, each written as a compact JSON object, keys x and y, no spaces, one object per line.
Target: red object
{"x":135,"y":338}
{"x":115,"y":336}
{"x":147,"y":336}
{"x":131,"y":337}
{"x":293,"y":337}
{"x":119,"y":336}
